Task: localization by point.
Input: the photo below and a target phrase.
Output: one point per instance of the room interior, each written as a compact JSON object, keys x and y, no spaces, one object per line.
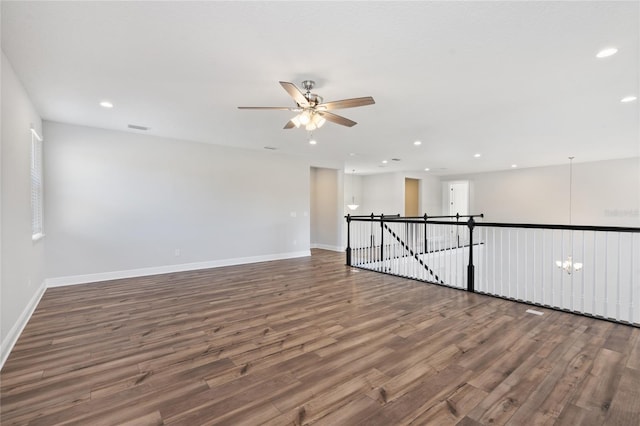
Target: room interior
{"x":149,"y":167}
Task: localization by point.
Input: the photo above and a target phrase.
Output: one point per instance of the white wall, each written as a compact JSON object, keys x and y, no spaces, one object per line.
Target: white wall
{"x":118,"y":202}
{"x":326,"y":208}
{"x":22,"y":270}
{"x":430,"y":193}
{"x":384,"y":193}
{"x":605,"y":193}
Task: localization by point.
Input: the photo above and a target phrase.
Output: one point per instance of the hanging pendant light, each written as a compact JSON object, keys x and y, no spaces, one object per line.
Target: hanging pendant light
{"x":568,"y":265}
{"x":353,"y":204}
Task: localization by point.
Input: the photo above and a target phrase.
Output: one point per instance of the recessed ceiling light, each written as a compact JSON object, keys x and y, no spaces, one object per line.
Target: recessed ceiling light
{"x":106,"y":104}
{"x":426,"y":169}
{"x":352,"y":154}
{"x":514,"y":166}
{"x":312,"y":142}
{"x":628,"y":99}
{"x":605,"y":53}
{"x":417,"y":143}
{"x":477,"y":155}
{"x":384,"y":161}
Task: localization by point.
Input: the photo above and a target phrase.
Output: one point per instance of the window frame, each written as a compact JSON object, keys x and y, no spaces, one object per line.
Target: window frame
{"x":36,"y":182}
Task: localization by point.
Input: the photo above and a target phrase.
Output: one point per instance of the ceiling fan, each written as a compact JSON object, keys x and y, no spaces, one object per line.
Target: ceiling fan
{"x":313,"y":112}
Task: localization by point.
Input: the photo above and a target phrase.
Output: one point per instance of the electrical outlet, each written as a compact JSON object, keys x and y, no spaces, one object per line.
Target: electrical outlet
{"x":176,"y":252}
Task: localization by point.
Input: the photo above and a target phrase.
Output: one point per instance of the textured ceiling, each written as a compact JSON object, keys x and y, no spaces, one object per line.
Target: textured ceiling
{"x":517,"y":82}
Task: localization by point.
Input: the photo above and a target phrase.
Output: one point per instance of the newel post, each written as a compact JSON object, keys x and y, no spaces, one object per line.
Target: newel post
{"x":470,"y":268}
{"x":382,"y":241}
{"x":425,"y":233}
{"x":348,"y":240}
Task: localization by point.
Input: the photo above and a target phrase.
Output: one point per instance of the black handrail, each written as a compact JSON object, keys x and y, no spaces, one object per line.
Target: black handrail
{"x":400,"y":218}
{"x":416,"y":219}
{"x":371,"y":216}
{"x":420,"y":219}
{"x":565,"y":227}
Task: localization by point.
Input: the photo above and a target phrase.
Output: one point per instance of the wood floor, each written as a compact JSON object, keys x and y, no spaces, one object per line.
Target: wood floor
{"x":311,"y":341}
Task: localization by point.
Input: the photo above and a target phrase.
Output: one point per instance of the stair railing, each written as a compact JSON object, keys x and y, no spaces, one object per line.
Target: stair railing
{"x":588,"y":270}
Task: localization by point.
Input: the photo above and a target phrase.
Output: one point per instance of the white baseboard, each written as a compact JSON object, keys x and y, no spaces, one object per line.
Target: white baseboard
{"x":131,"y":273}
{"x":328,"y":247}
{"x":12,"y":336}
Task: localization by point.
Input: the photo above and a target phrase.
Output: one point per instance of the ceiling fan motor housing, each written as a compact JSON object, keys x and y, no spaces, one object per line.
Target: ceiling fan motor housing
{"x":314,"y":99}
{"x":308,"y":85}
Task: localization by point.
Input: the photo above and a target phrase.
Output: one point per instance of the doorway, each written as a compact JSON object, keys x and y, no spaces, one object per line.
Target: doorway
{"x":411,"y":197}
{"x":459,"y":198}
{"x":326,"y":209}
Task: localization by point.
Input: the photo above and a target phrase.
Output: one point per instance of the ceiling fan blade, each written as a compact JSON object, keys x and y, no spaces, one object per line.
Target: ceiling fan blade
{"x":276,"y":108}
{"x":295,"y":93}
{"x":338,"y":119}
{"x":289,"y":125}
{"x":347,"y":103}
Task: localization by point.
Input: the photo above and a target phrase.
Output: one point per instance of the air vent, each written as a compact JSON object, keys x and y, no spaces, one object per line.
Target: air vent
{"x":272,"y":148}
{"x":395,"y":159}
{"x":136,"y":127}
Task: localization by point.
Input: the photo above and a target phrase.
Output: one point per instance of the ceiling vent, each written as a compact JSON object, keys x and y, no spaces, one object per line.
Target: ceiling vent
{"x":136,"y":127}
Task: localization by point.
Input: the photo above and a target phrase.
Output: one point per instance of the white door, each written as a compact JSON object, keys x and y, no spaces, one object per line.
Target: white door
{"x":458,"y":198}
{"x":458,"y":204}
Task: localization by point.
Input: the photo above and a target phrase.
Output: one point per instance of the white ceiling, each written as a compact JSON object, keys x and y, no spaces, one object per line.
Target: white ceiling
{"x":517,"y":82}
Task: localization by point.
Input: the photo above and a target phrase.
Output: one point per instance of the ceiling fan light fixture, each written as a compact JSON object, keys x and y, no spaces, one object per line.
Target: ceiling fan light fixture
{"x":318,"y":120}
{"x":305,"y":117}
{"x":296,"y":121}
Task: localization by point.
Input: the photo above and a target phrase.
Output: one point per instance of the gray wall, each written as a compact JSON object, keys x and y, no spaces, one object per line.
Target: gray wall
{"x":605,"y":193}
{"x":326,"y":208}
{"x":384,"y":193}
{"x":22,"y":267}
{"x":118,"y":201}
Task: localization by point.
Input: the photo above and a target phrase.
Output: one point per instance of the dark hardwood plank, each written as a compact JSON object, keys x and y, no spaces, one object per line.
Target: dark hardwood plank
{"x":310,"y":340}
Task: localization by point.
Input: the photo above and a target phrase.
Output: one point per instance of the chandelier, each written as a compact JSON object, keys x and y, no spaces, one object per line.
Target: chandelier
{"x":568,"y":265}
